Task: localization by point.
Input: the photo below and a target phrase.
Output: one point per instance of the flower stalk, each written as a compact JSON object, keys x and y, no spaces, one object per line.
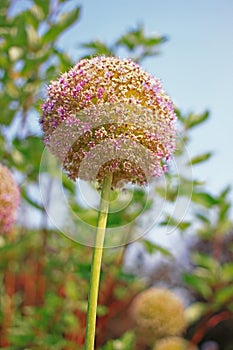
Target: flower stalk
{"x":96,"y":264}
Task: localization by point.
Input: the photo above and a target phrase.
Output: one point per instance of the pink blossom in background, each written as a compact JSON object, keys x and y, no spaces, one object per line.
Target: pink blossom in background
{"x":9,"y":200}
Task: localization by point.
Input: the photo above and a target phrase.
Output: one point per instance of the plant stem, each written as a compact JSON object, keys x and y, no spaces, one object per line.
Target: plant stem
{"x":96,"y":264}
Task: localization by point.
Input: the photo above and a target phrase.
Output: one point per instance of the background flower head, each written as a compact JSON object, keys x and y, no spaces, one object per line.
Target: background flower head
{"x":9,"y":199}
{"x":158,"y":313}
{"x":174,"y":343}
{"x":111,"y":102}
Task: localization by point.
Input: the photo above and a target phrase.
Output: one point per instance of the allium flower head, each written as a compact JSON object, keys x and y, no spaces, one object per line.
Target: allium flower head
{"x":174,"y":343}
{"x":157,"y":313}
{"x":9,"y":200}
{"x":107,"y":115}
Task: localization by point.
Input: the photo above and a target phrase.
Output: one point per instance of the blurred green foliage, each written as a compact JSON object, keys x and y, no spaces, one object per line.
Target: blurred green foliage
{"x":44,"y":277}
{"x":135,"y":42}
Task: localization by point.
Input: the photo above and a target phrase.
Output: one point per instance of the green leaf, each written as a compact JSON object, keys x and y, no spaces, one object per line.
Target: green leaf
{"x":32,"y":64}
{"x":224,"y":207}
{"x":44,"y":5}
{"x":179,"y":115}
{"x":170,"y":194}
{"x":83,"y":270}
{"x":3,"y":9}
{"x":136,"y":38}
{"x":204,"y":199}
{"x":152,"y":248}
{"x":36,"y":14}
{"x":7,"y":114}
{"x":195,"y":119}
{"x":33,"y":38}
{"x":25,"y":196}
{"x":225,"y":193}
{"x":227,"y":272}
{"x":20,"y":36}
{"x":68,"y":184}
{"x":65,"y":60}
{"x":181,"y":225}
{"x":66,"y":20}
{"x":199,"y":159}
{"x":70,"y":320}
{"x":224,"y":295}
{"x":30,"y":151}
{"x":206,"y":261}
{"x":102,"y":310}
{"x":131,"y":39}
{"x":203,"y":218}
{"x":155,"y":40}
{"x":200,"y":285}
{"x":87,"y":216}
{"x":12,"y":90}
{"x":97,"y":48}
{"x":126,"y":342}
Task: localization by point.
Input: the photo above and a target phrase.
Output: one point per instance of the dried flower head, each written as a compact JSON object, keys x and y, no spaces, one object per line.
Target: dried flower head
{"x":9,"y":200}
{"x":157,"y":313}
{"x":106,"y":115}
{"x":174,"y":343}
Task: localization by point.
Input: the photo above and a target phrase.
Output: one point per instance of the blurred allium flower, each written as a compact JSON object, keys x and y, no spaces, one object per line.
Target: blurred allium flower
{"x":9,"y":200}
{"x":108,"y":115}
{"x":174,"y":343}
{"x":157,"y":313}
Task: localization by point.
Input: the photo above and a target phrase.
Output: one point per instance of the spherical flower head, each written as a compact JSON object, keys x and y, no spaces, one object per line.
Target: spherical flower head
{"x":157,"y":313}
{"x":107,"y":115}
{"x":174,"y":343}
{"x":9,"y":200}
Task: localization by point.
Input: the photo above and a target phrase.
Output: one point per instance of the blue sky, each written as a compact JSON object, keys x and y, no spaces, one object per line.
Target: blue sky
{"x":195,"y":65}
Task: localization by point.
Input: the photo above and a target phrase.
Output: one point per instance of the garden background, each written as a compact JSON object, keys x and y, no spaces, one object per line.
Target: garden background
{"x":189,"y":249}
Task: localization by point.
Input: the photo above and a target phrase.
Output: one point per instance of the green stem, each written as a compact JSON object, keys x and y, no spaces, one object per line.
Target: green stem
{"x":96,"y":264}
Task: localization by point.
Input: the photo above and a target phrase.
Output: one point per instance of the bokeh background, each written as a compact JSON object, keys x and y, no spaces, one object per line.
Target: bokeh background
{"x":189,"y":249}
